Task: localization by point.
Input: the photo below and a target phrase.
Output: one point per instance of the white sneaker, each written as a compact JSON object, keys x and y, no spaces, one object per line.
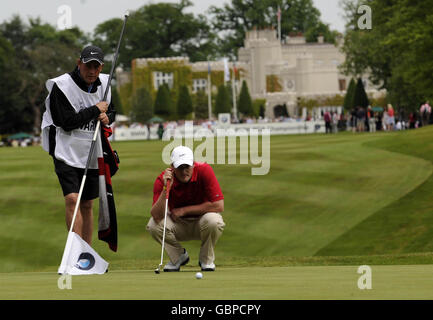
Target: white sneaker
{"x":183,"y":260}
{"x":207,"y":267}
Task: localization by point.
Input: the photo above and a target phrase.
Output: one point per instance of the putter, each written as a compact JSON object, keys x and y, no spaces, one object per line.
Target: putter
{"x":157,"y":270}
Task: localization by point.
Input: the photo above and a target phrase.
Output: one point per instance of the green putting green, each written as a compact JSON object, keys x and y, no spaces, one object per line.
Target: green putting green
{"x":244,"y":283}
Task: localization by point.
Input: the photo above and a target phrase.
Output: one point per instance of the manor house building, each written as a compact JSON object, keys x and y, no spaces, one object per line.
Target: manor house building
{"x":281,"y":72}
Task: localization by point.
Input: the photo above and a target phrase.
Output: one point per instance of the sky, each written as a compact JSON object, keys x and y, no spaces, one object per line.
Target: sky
{"x":89,"y":13}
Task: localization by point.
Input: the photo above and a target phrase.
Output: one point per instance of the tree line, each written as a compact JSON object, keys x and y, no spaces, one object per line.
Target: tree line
{"x":194,"y":106}
{"x":34,"y":51}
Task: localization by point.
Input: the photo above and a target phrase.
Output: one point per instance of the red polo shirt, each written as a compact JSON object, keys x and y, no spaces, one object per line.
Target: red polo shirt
{"x":202,"y":187}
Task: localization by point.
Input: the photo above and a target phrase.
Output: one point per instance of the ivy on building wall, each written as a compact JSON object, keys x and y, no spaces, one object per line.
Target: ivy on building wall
{"x":216,"y":77}
{"x":273,"y":83}
{"x":142,"y":77}
{"x":125,"y":94}
{"x":324,"y":101}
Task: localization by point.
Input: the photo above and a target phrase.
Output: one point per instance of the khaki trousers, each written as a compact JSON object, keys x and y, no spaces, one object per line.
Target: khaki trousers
{"x":208,"y":228}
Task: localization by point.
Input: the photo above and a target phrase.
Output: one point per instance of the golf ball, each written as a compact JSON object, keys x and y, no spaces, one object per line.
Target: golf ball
{"x":198,"y":275}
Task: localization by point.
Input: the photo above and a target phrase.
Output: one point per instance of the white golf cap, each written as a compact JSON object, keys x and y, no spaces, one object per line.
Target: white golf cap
{"x":182,"y":155}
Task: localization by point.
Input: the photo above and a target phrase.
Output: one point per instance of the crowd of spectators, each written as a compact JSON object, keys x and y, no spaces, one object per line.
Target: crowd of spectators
{"x":20,"y":142}
{"x":357,"y":120}
{"x":377,"y":119}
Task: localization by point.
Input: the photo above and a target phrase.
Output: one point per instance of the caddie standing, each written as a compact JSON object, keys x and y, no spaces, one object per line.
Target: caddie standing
{"x":73,"y":107}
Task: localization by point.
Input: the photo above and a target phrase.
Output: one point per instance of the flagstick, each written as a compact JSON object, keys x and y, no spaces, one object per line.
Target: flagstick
{"x":235,"y":111}
{"x":279,"y":24}
{"x":77,"y":204}
{"x":83,"y":181}
{"x":209,"y":100}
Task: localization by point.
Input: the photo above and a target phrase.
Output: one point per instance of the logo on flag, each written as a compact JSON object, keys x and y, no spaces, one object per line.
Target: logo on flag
{"x":85,"y":261}
{"x":79,"y":258}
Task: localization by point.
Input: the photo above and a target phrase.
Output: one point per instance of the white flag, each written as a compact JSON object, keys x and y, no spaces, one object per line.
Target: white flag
{"x":79,"y":258}
{"x":226,"y":70}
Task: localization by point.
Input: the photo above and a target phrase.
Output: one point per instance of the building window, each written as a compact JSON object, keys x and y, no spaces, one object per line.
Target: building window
{"x":199,"y":84}
{"x":159,"y":78}
{"x":335,"y":62}
{"x":342,"y":84}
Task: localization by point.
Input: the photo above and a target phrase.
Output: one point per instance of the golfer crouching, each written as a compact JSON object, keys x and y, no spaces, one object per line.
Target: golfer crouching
{"x":194,"y":207}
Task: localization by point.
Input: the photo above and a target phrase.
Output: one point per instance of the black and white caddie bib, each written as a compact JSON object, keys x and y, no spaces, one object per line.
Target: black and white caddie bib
{"x":73,"y":147}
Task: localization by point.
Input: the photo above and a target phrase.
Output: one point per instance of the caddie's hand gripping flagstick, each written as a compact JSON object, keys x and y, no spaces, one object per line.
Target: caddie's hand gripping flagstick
{"x":95,"y":135}
{"x":157,"y":270}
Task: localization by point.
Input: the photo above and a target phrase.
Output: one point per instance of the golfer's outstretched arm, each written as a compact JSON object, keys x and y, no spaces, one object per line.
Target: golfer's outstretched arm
{"x":158,"y":208}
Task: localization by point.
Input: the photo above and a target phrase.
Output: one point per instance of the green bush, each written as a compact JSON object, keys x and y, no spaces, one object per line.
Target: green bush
{"x":142,"y":106}
{"x":163,"y":103}
{"x":245,"y":105}
{"x":222,"y":103}
{"x":184,"y":103}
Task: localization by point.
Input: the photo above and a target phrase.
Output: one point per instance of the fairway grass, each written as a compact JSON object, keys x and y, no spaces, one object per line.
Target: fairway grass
{"x":329,"y":204}
{"x":254,"y":283}
{"x":320,"y":191}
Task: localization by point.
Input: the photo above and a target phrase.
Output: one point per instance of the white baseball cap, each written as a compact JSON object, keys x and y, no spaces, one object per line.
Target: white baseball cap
{"x":182,"y":155}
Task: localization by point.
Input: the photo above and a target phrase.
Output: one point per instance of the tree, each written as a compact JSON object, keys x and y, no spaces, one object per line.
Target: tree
{"x":245,"y":105}
{"x":115,"y":99}
{"x":259,"y":106}
{"x":222,"y":103}
{"x":201,"y":105}
{"x":12,"y":106}
{"x":235,"y":18}
{"x":142,"y":106}
{"x":348,"y":99}
{"x":184,"y":103}
{"x":360,"y":98}
{"x":158,"y":30}
{"x":393,"y":51}
{"x":43,"y":53}
{"x":163,"y":103}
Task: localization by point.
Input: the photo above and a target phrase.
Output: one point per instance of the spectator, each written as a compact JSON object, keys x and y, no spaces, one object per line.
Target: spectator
{"x":353,"y":119}
{"x":160,"y":130}
{"x":335,"y":122}
{"x":371,"y":120}
{"x":360,"y":115}
{"x":385,"y":120}
{"x":391,"y":119}
{"x":412,"y":120}
{"x":398,"y":126}
{"x":425,"y":112}
{"x":378,"y":119}
{"x":327,"y":118}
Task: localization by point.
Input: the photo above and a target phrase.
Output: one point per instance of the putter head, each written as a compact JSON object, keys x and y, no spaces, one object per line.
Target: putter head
{"x":157,"y":270}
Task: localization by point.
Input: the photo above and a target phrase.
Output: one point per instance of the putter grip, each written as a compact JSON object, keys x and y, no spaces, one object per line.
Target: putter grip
{"x":168,"y":188}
